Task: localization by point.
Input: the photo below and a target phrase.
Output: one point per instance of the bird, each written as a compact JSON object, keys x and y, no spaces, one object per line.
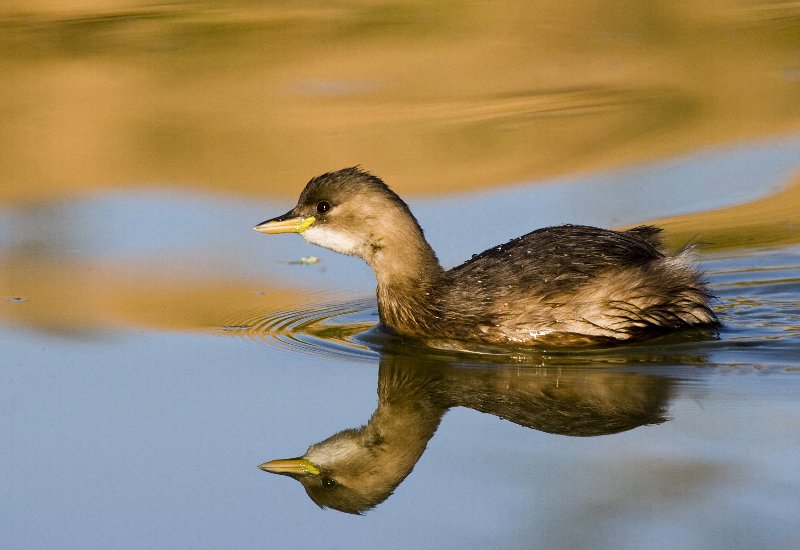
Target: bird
{"x":560,"y":286}
{"x":356,"y":469}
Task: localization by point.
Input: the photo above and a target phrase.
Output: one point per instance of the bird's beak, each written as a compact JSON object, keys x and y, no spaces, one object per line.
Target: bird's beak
{"x":288,"y":223}
{"x":290,"y":466}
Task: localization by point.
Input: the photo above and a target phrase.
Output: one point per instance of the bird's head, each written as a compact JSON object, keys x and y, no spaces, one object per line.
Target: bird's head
{"x":350,"y":471}
{"x":351,"y":212}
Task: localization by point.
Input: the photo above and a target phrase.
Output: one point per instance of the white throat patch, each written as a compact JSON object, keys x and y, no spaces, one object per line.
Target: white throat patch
{"x":338,"y":241}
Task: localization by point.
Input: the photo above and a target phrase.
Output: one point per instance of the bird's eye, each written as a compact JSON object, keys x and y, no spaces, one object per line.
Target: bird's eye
{"x":323,"y":206}
{"x":327,"y":483}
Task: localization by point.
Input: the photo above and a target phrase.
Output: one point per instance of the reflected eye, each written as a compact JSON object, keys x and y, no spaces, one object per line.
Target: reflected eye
{"x":323,"y":206}
{"x":327,"y":483}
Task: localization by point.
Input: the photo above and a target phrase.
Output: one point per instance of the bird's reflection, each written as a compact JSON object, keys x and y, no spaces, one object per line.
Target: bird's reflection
{"x":358,"y":468}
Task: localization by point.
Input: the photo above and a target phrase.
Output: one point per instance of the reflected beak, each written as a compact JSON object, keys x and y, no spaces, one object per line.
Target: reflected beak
{"x":290,"y":466}
{"x":288,"y":223}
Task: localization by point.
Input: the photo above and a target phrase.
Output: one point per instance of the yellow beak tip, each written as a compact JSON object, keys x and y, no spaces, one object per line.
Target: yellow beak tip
{"x":294,"y":466}
{"x":290,"y":225}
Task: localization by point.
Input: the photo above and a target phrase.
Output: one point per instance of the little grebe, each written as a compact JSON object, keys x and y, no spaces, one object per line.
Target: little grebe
{"x":562,"y":285}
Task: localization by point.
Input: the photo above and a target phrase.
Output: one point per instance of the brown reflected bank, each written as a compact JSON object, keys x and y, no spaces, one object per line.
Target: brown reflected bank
{"x":772,"y":220}
{"x":90,"y":298}
{"x":357,"y":469}
{"x":255,"y":97}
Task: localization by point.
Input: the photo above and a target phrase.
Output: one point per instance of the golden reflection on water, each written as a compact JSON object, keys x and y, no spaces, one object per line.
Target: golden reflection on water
{"x":254,"y":98}
{"x":71,"y":298}
{"x":772,"y":220}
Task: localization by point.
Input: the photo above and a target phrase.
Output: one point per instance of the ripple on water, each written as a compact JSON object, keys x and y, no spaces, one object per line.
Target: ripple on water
{"x":760,"y":295}
{"x":327,"y":328}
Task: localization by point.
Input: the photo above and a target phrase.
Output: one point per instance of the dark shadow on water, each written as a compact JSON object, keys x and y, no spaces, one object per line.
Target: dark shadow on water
{"x":356,"y":469}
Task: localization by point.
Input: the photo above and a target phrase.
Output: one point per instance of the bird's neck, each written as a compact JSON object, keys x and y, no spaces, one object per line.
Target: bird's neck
{"x":407,"y":270}
{"x":404,"y":259}
{"x":404,"y":422}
